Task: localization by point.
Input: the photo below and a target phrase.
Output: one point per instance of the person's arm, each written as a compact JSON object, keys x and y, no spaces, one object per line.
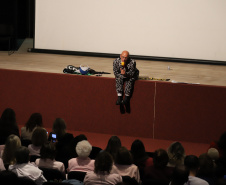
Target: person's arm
{"x":131,"y":69}
{"x":116,"y":69}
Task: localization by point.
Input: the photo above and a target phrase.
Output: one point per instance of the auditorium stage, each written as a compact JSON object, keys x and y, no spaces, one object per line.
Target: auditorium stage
{"x":192,"y":112}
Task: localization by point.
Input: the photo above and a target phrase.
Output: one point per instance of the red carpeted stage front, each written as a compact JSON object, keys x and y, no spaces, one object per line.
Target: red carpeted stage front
{"x":159,"y":110}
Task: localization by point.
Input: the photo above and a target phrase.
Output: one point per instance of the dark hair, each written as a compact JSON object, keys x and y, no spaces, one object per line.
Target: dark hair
{"x":79,"y":138}
{"x":22,"y":155}
{"x":59,"y":127}
{"x":124,"y":157}
{"x":180,"y":175}
{"x":114,"y":143}
{"x":48,"y":151}
{"x":138,"y":151}
{"x":8,"y":117}
{"x":191,"y":162}
{"x":39,"y":136}
{"x":34,"y":120}
{"x":103,"y":163}
{"x":160,"y":158}
{"x":206,"y":166}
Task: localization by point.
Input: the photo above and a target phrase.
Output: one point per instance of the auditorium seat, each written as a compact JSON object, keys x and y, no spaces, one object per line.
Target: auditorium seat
{"x":25,"y":181}
{"x":78,"y":175}
{"x":52,"y":174}
{"x":129,"y":180}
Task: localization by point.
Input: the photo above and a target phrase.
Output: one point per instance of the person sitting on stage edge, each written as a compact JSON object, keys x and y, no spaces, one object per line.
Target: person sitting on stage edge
{"x":125,"y":71}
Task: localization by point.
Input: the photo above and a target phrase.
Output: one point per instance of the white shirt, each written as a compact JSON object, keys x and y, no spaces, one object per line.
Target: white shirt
{"x":28,"y":170}
{"x":196,"y":181}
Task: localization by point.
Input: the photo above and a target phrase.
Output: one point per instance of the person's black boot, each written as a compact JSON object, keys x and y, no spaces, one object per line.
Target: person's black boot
{"x":126,"y":100}
{"x":119,"y":100}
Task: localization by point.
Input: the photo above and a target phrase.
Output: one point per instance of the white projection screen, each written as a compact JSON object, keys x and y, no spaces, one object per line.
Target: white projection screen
{"x":187,"y":29}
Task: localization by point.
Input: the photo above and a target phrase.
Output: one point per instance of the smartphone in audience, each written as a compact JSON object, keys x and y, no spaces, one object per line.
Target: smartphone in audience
{"x":53,"y":138}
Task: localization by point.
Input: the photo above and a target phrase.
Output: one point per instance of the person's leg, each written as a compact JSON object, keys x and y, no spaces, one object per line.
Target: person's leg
{"x":128,"y":90}
{"x":119,"y":90}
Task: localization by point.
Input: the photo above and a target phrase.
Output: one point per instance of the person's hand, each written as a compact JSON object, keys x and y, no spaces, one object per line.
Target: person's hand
{"x":123,"y":72}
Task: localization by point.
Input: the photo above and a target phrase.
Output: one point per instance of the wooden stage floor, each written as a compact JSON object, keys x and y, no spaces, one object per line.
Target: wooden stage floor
{"x":179,"y":72}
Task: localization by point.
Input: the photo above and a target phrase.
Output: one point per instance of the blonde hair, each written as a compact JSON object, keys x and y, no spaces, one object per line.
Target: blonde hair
{"x":213,"y":153}
{"x":11,"y":145}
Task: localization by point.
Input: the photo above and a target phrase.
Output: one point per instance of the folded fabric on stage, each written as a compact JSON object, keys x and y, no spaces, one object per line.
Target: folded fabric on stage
{"x":76,"y":70}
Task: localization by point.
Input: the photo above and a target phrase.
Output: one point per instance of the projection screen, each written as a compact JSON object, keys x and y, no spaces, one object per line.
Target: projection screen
{"x":188,"y":29}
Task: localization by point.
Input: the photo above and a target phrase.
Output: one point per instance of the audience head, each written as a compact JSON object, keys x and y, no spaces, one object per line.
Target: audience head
{"x":48,"y":151}
{"x":176,"y":153}
{"x":138,"y":151}
{"x":83,"y":149}
{"x":103,"y":163}
{"x":80,"y":137}
{"x":12,"y":143}
{"x":39,"y":136}
{"x":114,"y":143}
{"x":206,"y":166}
{"x":35,"y":120}
{"x":191,"y":162}
{"x":124,"y":157}
{"x":160,"y":158}
{"x":213,"y":153}
{"x":59,"y":127}
{"x":22,"y":155}
{"x":180,"y":175}
{"x":8,"y":117}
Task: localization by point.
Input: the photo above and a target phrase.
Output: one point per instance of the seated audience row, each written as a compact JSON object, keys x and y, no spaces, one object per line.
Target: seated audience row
{"x":63,"y":152}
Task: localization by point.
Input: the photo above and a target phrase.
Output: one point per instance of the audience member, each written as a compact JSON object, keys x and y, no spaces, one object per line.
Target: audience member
{"x":23,"y":168}
{"x":8,"y":155}
{"x":213,"y":154}
{"x":82,"y":162}
{"x":39,"y":137}
{"x":180,"y":175}
{"x":159,"y":171}
{"x":8,"y":125}
{"x":33,"y":122}
{"x":176,"y":154}
{"x":206,"y":169}
{"x":220,"y":145}
{"x":47,"y":160}
{"x":140,"y":156}
{"x":114,"y":143}
{"x":77,"y":139}
{"x":192,"y":163}
{"x":124,"y":164}
{"x":64,"y":143}
{"x":101,"y":175}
